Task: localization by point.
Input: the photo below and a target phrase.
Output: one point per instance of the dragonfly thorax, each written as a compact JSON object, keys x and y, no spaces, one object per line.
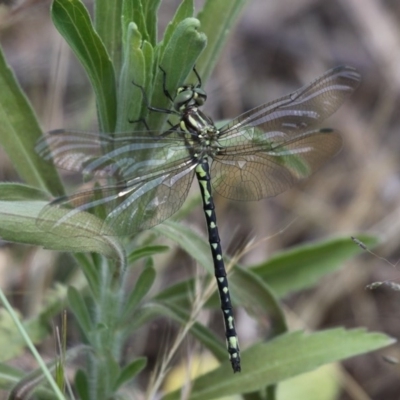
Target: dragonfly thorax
{"x":201,"y":133}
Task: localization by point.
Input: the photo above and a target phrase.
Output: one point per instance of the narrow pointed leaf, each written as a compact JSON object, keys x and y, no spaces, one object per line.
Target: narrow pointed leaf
{"x":287,"y":356}
{"x":82,"y":385}
{"x":188,"y":240}
{"x":18,"y":223}
{"x":72,"y":20}
{"x":79,"y":309}
{"x":108,"y":26}
{"x":132,"y":11}
{"x":142,"y":287}
{"x":302,"y":266}
{"x":18,"y":191}
{"x":146,"y":251}
{"x":150,"y":12}
{"x":252,"y":292}
{"x":130,"y":371}
{"x":185,"y":10}
{"x":130,"y":100}
{"x":19,"y":132}
{"x":228,"y":11}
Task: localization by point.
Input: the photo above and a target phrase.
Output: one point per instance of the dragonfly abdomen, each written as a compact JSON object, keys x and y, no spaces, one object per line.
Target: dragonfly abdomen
{"x":203,"y":176}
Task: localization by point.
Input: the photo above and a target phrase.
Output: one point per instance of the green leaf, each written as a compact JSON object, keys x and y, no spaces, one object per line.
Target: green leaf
{"x":19,"y":191}
{"x":282,"y":358}
{"x":189,"y":241}
{"x":303,"y":386}
{"x":82,"y":385}
{"x":179,"y":294}
{"x":142,"y":287}
{"x":146,"y":251}
{"x":79,"y":309}
{"x":132,"y":11}
{"x":185,"y":10}
{"x":150,"y":11}
{"x":18,"y":223}
{"x":108,"y":26}
{"x":19,"y":132}
{"x":148,"y":53}
{"x":254,"y":294}
{"x":217,"y":33}
{"x":72,"y":20}
{"x":301,"y":267}
{"x":130,"y":371}
{"x":130,"y":102}
{"x":177,"y":63}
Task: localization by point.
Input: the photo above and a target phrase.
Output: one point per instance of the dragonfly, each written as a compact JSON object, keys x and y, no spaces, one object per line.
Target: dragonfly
{"x":259,"y":154}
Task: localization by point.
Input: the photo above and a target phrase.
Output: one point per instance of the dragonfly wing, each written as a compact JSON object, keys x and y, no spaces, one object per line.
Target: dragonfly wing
{"x":71,"y":150}
{"x":268,"y":149}
{"x":142,"y":206}
{"x":301,"y":110}
{"x":102,"y":155}
{"x":152,"y":175}
{"x":263,"y":169}
{"x":124,"y":208}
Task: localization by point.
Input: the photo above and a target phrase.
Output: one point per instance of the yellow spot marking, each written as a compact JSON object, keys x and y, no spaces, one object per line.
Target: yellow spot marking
{"x":221,"y":280}
{"x":219,"y":257}
{"x":192,"y":120}
{"x":225,"y":290}
{"x":200,"y":171}
{"x":212,"y":225}
{"x":230,"y":322}
{"x":233,"y":342}
{"x":206,"y":193}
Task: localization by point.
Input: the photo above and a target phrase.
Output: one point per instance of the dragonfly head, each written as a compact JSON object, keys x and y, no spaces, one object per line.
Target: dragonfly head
{"x":189,"y":96}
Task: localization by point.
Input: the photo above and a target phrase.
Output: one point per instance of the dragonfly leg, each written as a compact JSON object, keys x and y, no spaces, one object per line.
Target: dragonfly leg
{"x":149,"y":106}
{"x":140,"y":120}
{"x":164,"y":84}
{"x":198,"y":77}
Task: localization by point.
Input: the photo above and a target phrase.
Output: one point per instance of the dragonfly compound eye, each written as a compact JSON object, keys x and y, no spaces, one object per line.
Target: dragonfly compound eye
{"x":183,"y":99}
{"x":200,"y":96}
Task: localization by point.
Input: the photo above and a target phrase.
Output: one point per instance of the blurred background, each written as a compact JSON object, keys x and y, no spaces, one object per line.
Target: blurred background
{"x":276,"y":47}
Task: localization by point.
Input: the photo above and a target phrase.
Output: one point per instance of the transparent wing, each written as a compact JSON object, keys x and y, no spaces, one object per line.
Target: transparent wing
{"x":149,"y":192}
{"x":301,"y":110}
{"x":270,"y":148}
{"x":273,"y":168}
{"x":101,"y":155}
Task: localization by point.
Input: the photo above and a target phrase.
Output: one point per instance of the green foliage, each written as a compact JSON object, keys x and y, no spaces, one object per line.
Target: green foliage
{"x":118,"y":48}
{"x":19,"y":132}
{"x":72,"y":20}
{"x":288,"y":355}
